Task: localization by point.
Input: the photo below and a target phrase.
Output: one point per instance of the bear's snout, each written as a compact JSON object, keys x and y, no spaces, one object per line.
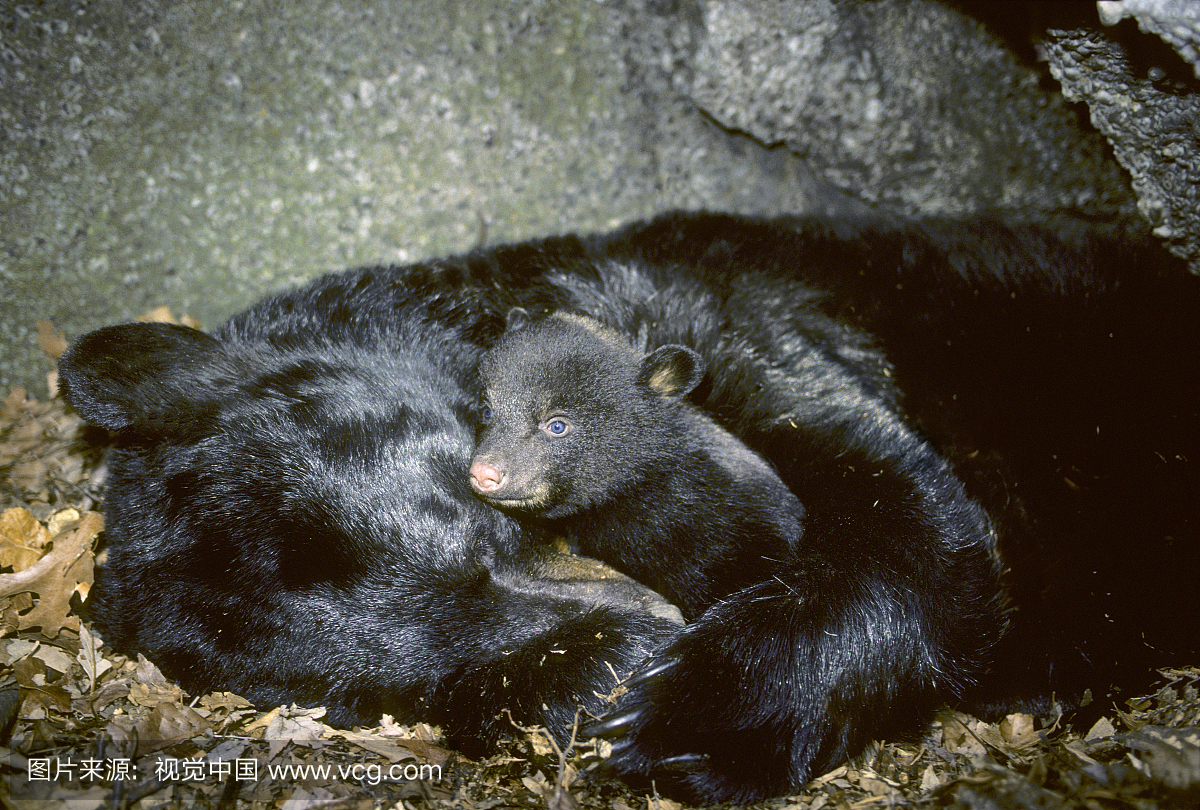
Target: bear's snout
{"x":486,"y":477}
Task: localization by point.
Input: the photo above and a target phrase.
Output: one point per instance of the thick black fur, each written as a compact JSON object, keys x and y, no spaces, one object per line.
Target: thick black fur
{"x":992,"y":429}
{"x":599,"y":439}
{"x":289,"y":519}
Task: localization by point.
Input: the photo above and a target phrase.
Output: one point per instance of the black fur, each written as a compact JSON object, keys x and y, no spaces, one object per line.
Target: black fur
{"x":600,"y":441}
{"x":992,"y":430}
{"x":290,"y":520}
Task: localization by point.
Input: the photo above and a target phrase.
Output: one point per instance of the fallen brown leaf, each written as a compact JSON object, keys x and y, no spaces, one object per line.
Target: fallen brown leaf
{"x":22,"y":539}
{"x":55,"y":577}
{"x":52,"y":342}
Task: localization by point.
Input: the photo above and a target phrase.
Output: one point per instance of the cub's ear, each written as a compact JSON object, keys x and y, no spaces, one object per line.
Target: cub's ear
{"x":672,"y":371}
{"x":122,"y":375}
{"x":517,"y":318}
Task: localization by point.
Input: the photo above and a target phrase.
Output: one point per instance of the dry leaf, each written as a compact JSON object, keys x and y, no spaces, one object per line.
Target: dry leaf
{"x":225,"y":709}
{"x":89,"y":657}
{"x":169,"y":723}
{"x":164,"y":315}
{"x":11,"y":610}
{"x":151,"y":692}
{"x":302,"y":799}
{"x":427,"y":752}
{"x":657,"y":803}
{"x":95,"y":702}
{"x":22,"y":539}
{"x":38,"y":695}
{"x":224,"y":701}
{"x":391,"y":749}
{"x":122,"y":730}
{"x":55,"y":577}
{"x":1169,"y":754}
{"x":62,"y":520}
{"x":37,"y":452}
{"x":298,"y":726}
{"x":54,"y":658}
{"x":146,"y":672}
{"x":536,"y":783}
{"x":16,"y":649}
{"x":1018,"y":730}
{"x":1102,"y":729}
{"x":931,"y":779}
{"x":52,"y":343}
{"x":876,"y":786}
{"x":396,"y":749}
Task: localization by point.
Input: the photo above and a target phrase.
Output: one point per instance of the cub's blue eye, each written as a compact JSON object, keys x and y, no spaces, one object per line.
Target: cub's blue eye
{"x":557,"y":427}
{"x":485,"y":412}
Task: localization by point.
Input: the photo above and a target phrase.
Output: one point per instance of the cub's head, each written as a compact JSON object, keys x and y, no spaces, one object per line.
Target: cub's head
{"x":573,"y":415}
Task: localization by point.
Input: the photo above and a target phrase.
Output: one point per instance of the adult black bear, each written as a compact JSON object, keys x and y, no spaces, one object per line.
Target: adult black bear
{"x":289,"y":519}
{"x":992,"y":429}
{"x":584,"y":431}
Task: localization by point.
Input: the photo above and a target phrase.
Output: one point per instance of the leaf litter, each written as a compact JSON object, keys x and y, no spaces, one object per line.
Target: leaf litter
{"x":84,"y":727}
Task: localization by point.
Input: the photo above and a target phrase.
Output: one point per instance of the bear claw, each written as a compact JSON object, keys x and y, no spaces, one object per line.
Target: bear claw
{"x":614,"y":725}
{"x":649,"y":673}
{"x":684,"y":763}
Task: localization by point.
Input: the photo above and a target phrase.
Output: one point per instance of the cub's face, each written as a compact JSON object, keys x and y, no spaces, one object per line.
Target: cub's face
{"x":573,"y":417}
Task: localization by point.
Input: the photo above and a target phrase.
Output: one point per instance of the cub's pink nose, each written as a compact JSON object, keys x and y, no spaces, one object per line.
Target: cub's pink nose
{"x":486,"y":477}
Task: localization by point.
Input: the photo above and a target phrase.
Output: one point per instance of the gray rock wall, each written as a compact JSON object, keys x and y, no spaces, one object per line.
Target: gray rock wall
{"x":200,"y":155}
{"x":909,"y":104}
{"x":1147,"y":108}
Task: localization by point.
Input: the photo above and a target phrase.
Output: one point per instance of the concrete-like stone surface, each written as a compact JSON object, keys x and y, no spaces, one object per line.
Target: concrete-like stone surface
{"x":918,"y":107}
{"x":1176,"y":21}
{"x":1145,"y":101}
{"x":201,"y":154}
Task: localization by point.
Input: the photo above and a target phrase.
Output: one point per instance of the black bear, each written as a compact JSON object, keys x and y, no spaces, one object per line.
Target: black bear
{"x":289,"y":520}
{"x":992,"y":430}
{"x":581,"y":429}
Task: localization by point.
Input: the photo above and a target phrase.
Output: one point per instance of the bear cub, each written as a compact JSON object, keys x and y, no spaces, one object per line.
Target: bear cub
{"x":582,"y":431}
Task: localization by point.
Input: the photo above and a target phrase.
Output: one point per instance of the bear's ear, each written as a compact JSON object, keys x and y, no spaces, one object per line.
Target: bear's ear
{"x":516,"y":319}
{"x":672,"y":371}
{"x":121,"y":375}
